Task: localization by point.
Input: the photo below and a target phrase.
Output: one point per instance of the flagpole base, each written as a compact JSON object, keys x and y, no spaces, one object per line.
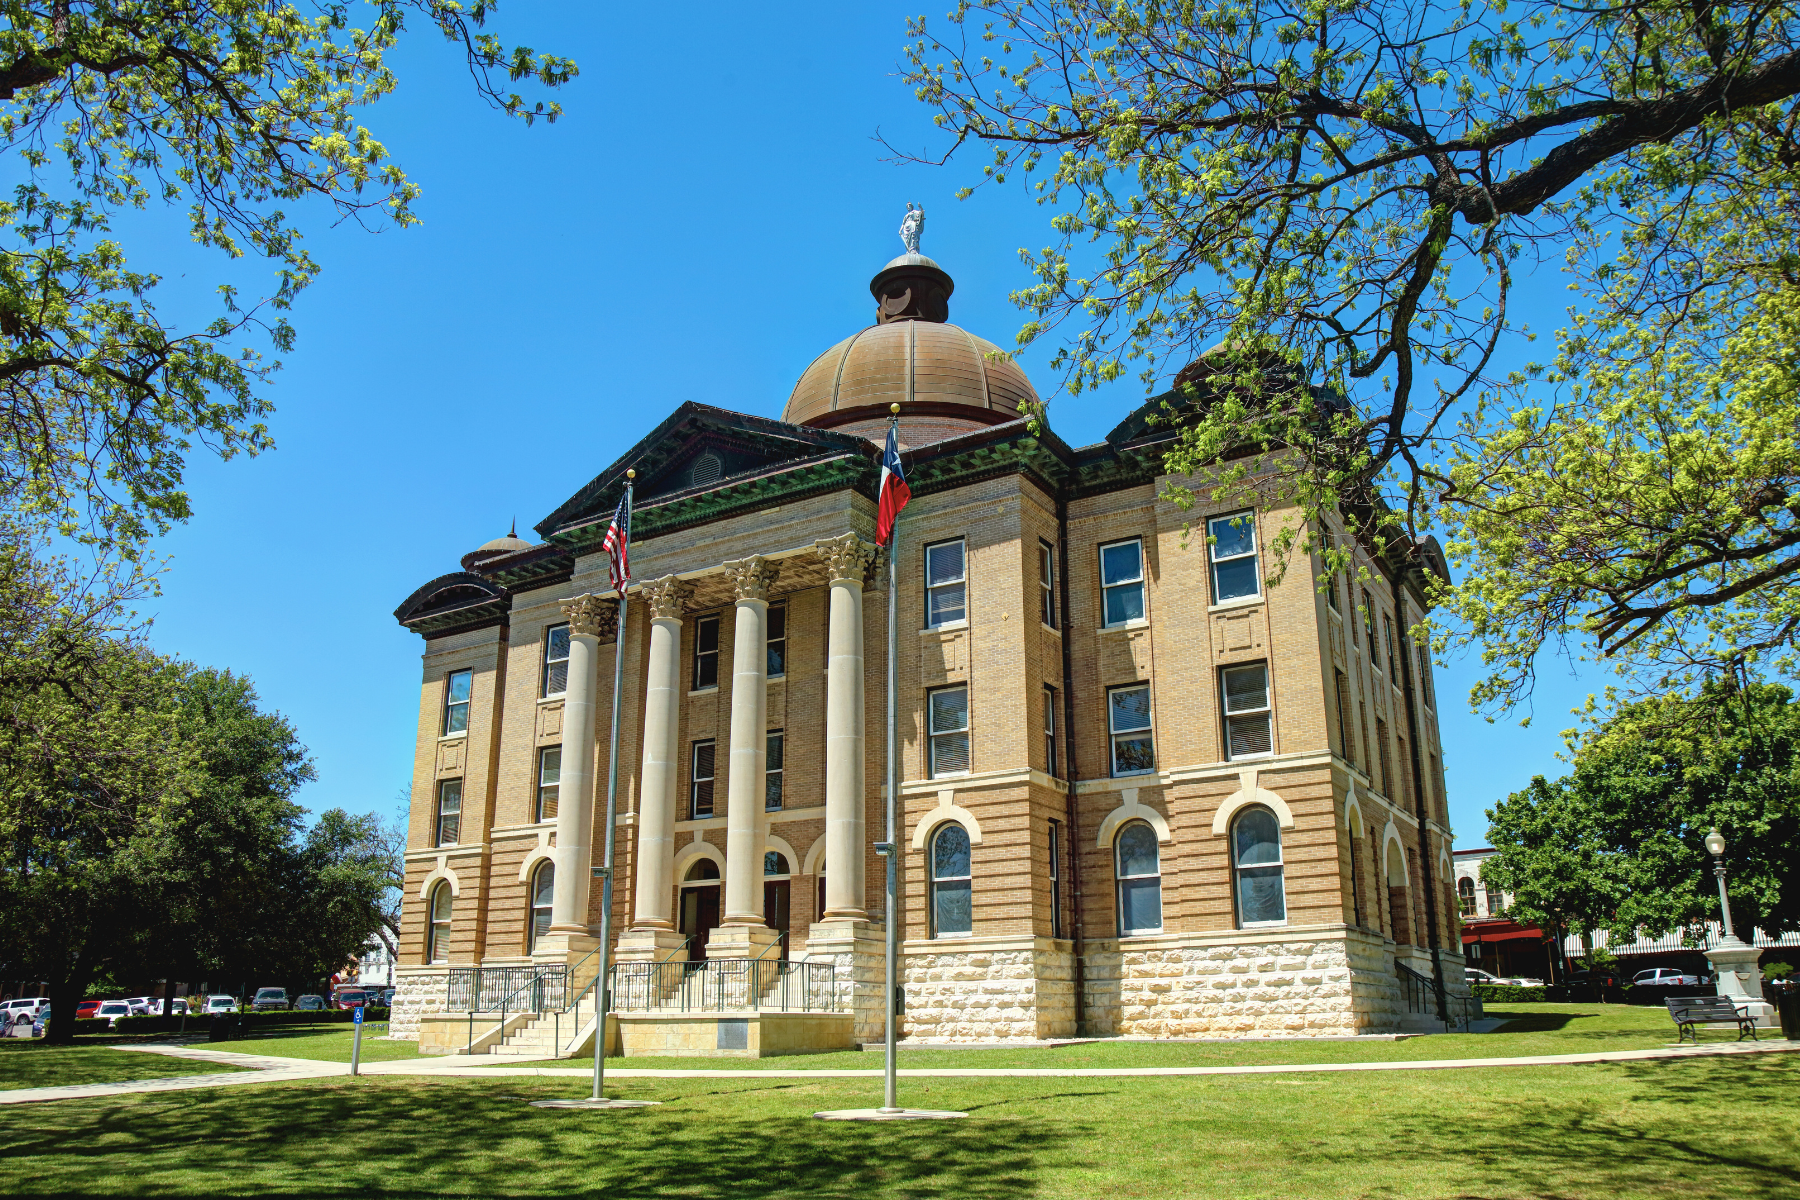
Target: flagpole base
{"x":888,"y":1114}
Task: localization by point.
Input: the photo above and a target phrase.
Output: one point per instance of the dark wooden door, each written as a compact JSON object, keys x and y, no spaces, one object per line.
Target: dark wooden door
{"x":776,"y":893}
{"x":699,"y":917}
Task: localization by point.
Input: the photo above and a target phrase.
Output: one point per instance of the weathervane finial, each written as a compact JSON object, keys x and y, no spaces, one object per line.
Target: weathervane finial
{"x":911,"y":226}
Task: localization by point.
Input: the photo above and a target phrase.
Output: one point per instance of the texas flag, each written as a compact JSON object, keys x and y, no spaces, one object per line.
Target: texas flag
{"x":894,"y":493}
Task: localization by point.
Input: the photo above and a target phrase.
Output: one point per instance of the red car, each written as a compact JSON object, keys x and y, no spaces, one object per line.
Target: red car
{"x":352,"y":998}
{"x":86,"y":1009}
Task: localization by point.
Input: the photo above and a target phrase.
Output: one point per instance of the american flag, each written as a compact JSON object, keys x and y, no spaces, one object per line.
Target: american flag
{"x":618,"y":543}
{"x":893,"y":494}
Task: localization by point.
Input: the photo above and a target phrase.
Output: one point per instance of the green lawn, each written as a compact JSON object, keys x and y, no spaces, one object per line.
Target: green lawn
{"x":1532,"y":1029}
{"x":1678,"y":1130}
{"x":32,"y":1064}
{"x":329,"y":1045}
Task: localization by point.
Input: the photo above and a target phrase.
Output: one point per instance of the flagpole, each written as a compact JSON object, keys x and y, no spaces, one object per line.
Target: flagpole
{"x":602,"y":984}
{"x":889,"y":1091}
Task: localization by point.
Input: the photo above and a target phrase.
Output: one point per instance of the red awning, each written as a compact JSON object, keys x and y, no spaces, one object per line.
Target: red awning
{"x":1511,"y":933}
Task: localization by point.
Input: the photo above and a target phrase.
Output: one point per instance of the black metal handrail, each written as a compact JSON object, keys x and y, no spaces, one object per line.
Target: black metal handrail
{"x":518,"y":989}
{"x":725,"y":984}
{"x":1418,"y":989}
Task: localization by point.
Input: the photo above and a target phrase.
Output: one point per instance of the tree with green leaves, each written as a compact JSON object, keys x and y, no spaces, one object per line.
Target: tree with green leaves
{"x":243,"y":112}
{"x":1618,"y":843}
{"x":1326,"y":211}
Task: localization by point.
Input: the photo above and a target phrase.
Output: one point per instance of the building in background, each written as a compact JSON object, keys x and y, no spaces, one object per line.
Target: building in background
{"x":1144,"y":791}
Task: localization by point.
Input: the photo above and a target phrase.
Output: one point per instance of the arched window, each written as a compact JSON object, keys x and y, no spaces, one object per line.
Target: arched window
{"x":775,"y":863}
{"x":704,"y":870}
{"x":437,"y":936}
{"x":950,"y":908}
{"x":1465,"y":896}
{"x":1256,"y":867}
{"x":1140,"y":880}
{"x":543,"y":894}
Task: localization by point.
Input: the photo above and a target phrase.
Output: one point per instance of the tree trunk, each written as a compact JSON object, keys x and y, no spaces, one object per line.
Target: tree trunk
{"x":65,"y":994}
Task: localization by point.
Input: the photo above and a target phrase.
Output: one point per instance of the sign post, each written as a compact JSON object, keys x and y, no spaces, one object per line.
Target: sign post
{"x":356,"y":1016}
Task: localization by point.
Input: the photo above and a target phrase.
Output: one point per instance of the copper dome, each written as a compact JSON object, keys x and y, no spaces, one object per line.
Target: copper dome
{"x":946,"y":379}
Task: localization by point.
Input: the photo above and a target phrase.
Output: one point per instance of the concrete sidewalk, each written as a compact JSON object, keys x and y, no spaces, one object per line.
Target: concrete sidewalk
{"x":264,"y":1068}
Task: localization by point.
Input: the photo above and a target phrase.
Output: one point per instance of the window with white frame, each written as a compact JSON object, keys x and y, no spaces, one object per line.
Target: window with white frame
{"x":700,"y":780}
{"x":1122,"y":581}
{"x":556,"y":660}
{"x":543,"y":897}
{"x":456,"y":701}
{"x":948,"y":713}
{"x":1139,"y":872}
{"x":772,"y":774}
{"x":1047,"y":583}
{"x":549,"y":785}
{"x":437,"y":938}
{"x":946,"y":583}
{"x":1128,"y":725}
{"x":1465,"y":896}
{"x":1233,"y":554}
{"x":951,"y":899}
{"x":1247,"y":724}
{"x":449,"y":811}
{"x":706,"y":653}
{"x":1257,"y":868}
{"x":777,"y":657}
{"x":1050,"y":731}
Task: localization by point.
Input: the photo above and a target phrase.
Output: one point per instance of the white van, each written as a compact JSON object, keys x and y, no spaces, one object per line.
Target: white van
{"x":221,"y":1004}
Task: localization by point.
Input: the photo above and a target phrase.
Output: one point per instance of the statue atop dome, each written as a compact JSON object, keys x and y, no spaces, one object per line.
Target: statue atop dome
{"x":911,"y":226}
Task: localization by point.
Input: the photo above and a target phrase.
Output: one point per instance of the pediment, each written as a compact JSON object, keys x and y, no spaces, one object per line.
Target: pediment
{"x":455,"y":601}
{"x":698,"y":449}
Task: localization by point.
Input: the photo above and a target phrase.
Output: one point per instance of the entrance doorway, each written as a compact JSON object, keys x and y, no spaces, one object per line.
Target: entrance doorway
{"x":777,"y":894}
{"x":700,"y":906}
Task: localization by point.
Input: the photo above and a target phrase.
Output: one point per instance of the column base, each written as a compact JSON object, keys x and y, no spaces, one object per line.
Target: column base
{"x":740,"y":941}
{"x":557,"y":946}
{"x":856,"y":948}
{"x":650,"y":945}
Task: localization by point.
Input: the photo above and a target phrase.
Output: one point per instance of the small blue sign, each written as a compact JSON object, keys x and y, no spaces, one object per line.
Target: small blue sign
{"x":357,"y":1014}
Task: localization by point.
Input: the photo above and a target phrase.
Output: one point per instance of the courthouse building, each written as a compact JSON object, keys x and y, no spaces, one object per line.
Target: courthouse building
{"x":1144,"y":792}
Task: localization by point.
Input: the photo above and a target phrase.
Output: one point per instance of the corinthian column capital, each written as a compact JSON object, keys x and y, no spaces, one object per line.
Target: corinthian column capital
{"x":751,"y":578}
{"x":665,"y":597}
{"x":591,"y":616}
{"x":848,"y":557}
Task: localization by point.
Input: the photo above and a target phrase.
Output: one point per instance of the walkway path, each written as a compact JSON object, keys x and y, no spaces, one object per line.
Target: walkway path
{"x":264,"y":1068}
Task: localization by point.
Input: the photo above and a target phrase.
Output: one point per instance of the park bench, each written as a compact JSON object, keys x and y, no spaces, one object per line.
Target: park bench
{"x":1690,"y":1011}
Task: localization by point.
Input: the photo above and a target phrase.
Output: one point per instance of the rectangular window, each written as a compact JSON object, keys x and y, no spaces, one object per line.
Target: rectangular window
{"x":777,"y":640}
{"x":1381,"y":749}
{"x":1406,"y":777}
{"x":1369,"y":626}
{"x":1122,"y":581}
{"x":556,"y":660}
{"x":1342,"y":686}
{"x":949,"y":731}
{"x":1050,"y":731}
{"x":549,"y":781}
{"x":706,"y":653}
{"x":1425,"y":676}
{"x":700,"y":785}
{"x":772,"y":776}
{"x":1331,"y":592}
{"x":1233,"y":553}
{"x":945,"y":583}
{"x":1387,"y":630}
{"x":1362,"y":730}
{"x":456,"y":701}
{"x":1433,"y":796}
{"x":1128,"y":721}
{"x":1047,"y":584}
{"x":1056,"y":929}
{"x":1247,"y":731}
{"x":449,"y":812}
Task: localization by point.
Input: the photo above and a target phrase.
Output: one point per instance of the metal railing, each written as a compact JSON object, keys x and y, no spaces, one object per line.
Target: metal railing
{"x":1418,"y":989}
{"x":1421,"y":997}
{"x":534,"y":989}
{"x":720,"y":984}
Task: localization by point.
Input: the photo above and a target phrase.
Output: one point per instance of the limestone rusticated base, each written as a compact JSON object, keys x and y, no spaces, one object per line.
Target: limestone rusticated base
{"x":1328,"y":981}
{"x":418,"y":991}
{"x":733,"y":1035}
{"x":988,"y":989}
{"x":855,"y":951}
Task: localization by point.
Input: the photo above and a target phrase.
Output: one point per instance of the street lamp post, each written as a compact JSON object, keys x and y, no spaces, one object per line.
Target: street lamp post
{"x":1735,"y":972}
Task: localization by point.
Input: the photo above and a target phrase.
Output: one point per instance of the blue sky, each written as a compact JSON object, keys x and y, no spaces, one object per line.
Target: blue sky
{"x":699,"y":226}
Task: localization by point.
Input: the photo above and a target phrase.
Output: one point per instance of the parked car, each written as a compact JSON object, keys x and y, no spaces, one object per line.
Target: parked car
{"x":1476,"y":975}
{"x":270,"y":1000}
{"x":353,"y":998}
{"x":178,"y":1007}
{"x":145,"y":1006}
{"x":1593,"y":979}
{"x":1669,"y":977}
{"x":221,"y":1004}
{"x":17,"y":1011}
{"x":112,"y":1010}
{"x":387,"y":998}
{"x":310,"y":1004}
{"x":40,"y":1022}
{"x":87,"y":1009}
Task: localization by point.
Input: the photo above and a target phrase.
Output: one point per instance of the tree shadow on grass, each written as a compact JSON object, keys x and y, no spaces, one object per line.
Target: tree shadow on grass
{"x":386,"y":1137}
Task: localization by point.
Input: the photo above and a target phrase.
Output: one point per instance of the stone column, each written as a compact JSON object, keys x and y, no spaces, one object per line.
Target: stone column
{"x":590,"y":618}
{"x":848,"y":557}
{"x":662,"y":755}
{"x":744,"y":819}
